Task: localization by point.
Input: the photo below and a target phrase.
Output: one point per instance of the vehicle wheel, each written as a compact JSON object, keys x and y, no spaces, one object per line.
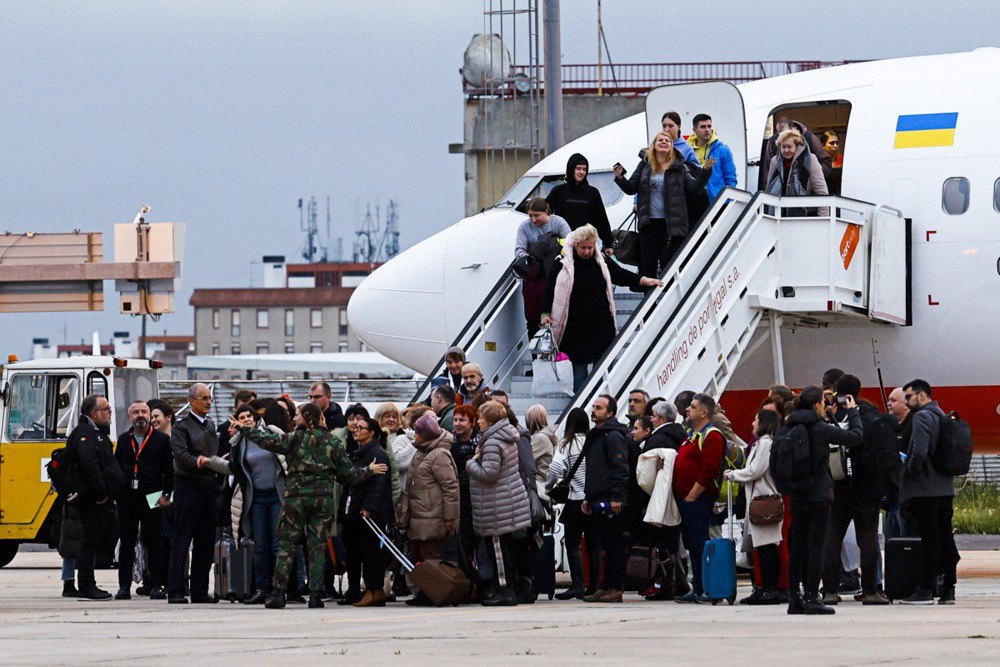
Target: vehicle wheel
{"x":8,"y":549}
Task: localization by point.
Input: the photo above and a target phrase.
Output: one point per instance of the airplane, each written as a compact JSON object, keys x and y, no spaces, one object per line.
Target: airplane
{"x":917,"y":134}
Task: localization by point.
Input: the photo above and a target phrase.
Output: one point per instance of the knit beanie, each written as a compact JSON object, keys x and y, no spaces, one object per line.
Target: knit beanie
{"x":427,"y":426}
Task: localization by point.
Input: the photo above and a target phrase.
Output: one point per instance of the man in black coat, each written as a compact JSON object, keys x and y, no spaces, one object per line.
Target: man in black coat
{"x":606,"y":490}
{"x":196,"y":496}
{"x":579,"y":202}
{"x":320,"y":395}
{"x":148,"y":466}
{"x":101,"y":482}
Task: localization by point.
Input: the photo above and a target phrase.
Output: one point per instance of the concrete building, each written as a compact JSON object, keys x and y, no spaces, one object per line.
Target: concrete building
{"x":172,"y":352}
{"x":308,"y":315}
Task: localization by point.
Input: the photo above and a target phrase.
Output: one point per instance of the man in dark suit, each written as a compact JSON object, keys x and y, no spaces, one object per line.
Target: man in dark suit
{"x":196,"y":496}
{"x":148,"y":466}
{"x":101,"y":482}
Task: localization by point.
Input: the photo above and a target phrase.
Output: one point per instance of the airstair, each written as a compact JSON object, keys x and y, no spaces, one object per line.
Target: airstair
{"x":753,"y":261}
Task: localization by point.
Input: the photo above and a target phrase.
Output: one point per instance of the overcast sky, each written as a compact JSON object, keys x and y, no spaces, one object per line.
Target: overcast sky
{"x":223,"y":114}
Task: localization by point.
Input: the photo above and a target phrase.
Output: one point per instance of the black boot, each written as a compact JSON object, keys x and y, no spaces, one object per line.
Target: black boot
{"x":504,"y":597}
{"x":796,"y":605}
{"x":69,"y":589}
{"x":275,"y":601}
{"x":257,"y":598}
{"x":815,"y":606}
{"x":350,"y":597}
{"x":316,"y":600}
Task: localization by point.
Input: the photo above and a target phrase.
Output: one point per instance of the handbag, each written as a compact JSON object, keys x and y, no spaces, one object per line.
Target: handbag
{"x":543,"y":343}
{"x":766,"y":510}
{"x":625,"y":242}
{"x":559,"y":493}
{"x":539,"y":512}
{"x":551,"y":378}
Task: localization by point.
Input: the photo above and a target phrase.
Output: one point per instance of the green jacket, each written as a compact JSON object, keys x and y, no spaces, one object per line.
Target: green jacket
{"x":316,"y":460}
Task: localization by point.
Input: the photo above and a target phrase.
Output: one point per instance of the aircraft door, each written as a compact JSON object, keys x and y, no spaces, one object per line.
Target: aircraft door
{"x":719,"y":99}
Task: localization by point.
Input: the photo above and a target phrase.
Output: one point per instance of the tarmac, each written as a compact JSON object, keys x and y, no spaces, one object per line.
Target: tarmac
{"x":37,"y":626}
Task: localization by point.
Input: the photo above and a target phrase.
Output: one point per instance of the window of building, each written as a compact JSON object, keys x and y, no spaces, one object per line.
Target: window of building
{"x":261,"y":319}
{"x":235,"y":349}
{"x":234,"y":321}
{"x":342,"y":314}
{"x":263,"y":348}
{"x":289,"y":322}
{"x":216,"y":349}
{"x":315,"y":348}
{"x":341,"y":347}
{"x":955,"y":195}
{"x":996,"y":196}
{"x":289,"y":348}
{"x":216,"y":319}
{"x":315,"y":318}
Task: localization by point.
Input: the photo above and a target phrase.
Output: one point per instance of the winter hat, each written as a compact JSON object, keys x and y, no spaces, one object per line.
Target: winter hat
{"x":427,"y":426}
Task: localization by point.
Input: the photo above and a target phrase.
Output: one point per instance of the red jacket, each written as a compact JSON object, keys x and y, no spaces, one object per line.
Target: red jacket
{"x":699,"y":460}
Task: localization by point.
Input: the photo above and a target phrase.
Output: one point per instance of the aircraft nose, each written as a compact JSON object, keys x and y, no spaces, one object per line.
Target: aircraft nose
{"x":399,"y":309}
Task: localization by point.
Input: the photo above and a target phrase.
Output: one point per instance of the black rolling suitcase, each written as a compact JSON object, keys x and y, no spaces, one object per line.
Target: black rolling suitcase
{"x":543,"y":567}
{"x":904,"y":563}
{"x":234,"y":568}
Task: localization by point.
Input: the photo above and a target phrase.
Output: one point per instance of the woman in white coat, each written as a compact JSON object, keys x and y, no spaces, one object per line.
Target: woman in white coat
{"x":756,"y":476}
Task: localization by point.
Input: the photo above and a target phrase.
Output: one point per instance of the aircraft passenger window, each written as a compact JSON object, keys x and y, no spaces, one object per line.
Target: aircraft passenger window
{"x":996,"y":196}
{"x":26,"y":417}
{"x":955,"y":195}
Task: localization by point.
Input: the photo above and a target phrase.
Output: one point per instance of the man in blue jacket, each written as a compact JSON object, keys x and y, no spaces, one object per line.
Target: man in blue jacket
{"x":706,"y":144}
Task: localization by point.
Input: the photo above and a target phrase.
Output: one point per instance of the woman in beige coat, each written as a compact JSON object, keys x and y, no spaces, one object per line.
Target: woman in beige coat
{"x":756,"y":477}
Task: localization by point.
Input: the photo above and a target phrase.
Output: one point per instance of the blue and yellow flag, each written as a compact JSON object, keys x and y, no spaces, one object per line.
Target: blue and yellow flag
{"x":926,"y":130}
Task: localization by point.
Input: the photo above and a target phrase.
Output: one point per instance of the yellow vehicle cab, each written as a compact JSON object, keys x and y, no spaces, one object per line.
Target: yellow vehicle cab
{"x":40,"y":403}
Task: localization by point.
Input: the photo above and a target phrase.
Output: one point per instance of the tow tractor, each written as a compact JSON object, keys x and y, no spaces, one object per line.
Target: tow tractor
{"x":39,"y":406}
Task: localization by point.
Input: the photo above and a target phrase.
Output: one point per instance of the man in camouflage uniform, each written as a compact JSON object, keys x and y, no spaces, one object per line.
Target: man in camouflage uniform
{"x":316,"y":460}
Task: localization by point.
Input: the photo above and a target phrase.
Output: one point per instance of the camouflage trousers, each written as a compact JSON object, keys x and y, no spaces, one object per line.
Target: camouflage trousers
{"x":312,"y":515}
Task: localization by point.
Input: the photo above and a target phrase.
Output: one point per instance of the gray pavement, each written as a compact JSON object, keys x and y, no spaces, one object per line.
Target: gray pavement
{"x":37,"y":626}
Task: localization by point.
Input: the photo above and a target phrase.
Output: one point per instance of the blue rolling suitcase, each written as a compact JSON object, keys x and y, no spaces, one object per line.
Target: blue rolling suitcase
{"x":718,"y":566}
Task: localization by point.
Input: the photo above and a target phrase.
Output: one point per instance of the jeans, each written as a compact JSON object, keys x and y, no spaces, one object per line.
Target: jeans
{"x":264,"y":512}
{"x":580,"y":374}
{"x":695,"y":517}
{"x":931,"y":519}
{"x":810,"y":521}
{"x":865,"y":517}
{"x":68,"y":569}
{"x":656,"y":248}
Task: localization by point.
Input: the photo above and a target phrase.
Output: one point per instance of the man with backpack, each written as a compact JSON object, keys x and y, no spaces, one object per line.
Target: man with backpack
{"x":858,"y":496}
{"x":927,"y":491}
{"x":101,"y":482}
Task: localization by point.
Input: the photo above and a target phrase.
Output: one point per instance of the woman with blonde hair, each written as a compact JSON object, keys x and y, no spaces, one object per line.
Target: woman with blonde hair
{"x":795,"y":171}
{"x":543,"y":444}
{"x":663,"y":182}
{"x":579,"y":302}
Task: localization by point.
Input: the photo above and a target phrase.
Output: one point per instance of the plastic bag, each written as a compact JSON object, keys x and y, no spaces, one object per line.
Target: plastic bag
{"x":551,"y":378}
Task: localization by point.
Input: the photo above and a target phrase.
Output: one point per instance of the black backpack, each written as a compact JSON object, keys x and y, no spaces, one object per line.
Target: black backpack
{"x":64,"y":473}
{"x":878,"y":453}
{"x":791,"y":462}
{"x":952,"y":455}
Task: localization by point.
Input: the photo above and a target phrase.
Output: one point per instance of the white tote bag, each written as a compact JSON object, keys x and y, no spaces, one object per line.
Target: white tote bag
{"x":551,"y":378}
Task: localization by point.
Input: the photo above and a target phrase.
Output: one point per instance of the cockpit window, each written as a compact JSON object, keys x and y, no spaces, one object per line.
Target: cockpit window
{"x":531,"y":186}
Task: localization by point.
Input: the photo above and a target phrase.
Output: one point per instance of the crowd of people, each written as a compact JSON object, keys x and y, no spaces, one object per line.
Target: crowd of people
{"x":459,"y":477}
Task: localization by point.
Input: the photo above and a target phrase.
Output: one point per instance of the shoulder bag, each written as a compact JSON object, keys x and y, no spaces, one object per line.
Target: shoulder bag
{"x":626,"y":242}
{"x":559,"y":493}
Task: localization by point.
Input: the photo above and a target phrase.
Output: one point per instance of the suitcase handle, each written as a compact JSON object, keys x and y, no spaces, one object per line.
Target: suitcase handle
{"x":388,"y":544}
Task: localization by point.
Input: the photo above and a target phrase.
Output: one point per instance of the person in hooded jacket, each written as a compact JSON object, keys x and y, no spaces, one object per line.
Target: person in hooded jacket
{"x":810,"y":511}
{"x":663,"y":183}
{"x":499,"y":499}
{"x":579,"y":301}
{"x":580,"y":203}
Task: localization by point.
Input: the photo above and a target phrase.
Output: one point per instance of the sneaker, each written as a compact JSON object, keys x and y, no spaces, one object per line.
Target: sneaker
{"x":95,"y":593}
{"x":650,"y":590}
{"x":850,"y":582}
{"x":688,"y":598}
{"x":832,"y":599}
{"x":123,"y":594}
{"x":919,"y":596}
{"x":796,"y":605}
{"x":947,"y":595}
{"x":816,"y":607}
{"x":872,"y":599}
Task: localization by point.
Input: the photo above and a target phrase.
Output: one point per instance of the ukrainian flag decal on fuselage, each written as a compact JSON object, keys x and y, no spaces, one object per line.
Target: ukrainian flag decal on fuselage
{"x":926,"y":130}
